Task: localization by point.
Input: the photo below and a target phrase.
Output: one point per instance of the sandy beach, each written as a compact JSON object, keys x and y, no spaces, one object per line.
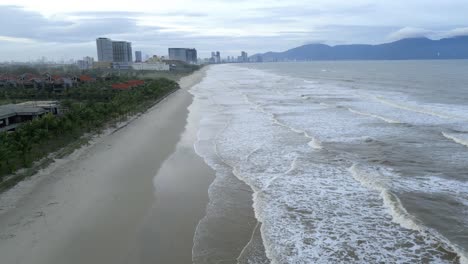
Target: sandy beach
{"x":108,"y":203}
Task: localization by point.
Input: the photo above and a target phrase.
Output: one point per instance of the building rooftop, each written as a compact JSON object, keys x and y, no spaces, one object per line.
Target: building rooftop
{"x":38,"y":103}
{"x":12,"y":110}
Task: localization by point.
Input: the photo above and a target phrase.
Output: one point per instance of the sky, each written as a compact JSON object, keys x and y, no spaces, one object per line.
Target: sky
{"x":67,"y":29}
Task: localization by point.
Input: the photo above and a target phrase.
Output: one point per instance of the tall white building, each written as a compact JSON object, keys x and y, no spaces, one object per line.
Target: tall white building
{"x":104,"y":49}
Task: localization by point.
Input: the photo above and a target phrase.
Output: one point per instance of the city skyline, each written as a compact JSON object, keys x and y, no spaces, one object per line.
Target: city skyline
{"x":62,"y":30}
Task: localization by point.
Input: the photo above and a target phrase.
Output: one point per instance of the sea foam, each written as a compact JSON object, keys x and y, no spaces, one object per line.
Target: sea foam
{"x":316,"y":205}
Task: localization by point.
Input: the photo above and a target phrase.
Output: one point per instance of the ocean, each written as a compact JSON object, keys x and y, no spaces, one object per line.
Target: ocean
{"x":342,"y":162}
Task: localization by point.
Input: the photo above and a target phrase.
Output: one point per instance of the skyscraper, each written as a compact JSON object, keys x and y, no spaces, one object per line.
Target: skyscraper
{"x":191,"y":55}
{"x":244,"y":56}
{"x":122,"y":51}
{"x":183,"y":54}
{"x":137,"y":56}
{"x":104,"y":49}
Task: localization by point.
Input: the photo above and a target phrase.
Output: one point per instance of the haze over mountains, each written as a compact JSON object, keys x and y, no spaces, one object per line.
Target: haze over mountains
{"x":405,"y":49}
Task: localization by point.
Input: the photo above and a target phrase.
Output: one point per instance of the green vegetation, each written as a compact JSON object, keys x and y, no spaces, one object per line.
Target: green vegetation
{"x":89,"y":108}
{"x":39,"y":69}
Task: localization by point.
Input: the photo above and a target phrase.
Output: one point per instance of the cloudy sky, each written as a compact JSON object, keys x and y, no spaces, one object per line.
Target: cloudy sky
{"x":62,"y":29}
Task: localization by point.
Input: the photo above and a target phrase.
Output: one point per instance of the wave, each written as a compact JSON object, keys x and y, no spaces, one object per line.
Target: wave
{"x":314,"y":142}
{"x":388,"y":120}
{"x":416,"y":109}
{"x":376,"y":181}
{"x":373,"y":179}
{"x":307,"y":200}
{"x":456,"y":139}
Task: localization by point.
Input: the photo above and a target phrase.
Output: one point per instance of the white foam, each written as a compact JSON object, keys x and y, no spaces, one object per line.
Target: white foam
{"x":388,"y":120}
{"x":416,"y":109}
{"x":313,"y":209}
{"x":457,"y":138}
{"x":372,"y":179}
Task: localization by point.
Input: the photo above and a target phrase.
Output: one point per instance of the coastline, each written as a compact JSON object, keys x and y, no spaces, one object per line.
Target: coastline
{"x":90,"y":206}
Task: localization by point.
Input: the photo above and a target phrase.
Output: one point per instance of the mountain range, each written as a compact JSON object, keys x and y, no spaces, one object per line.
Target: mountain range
{"x":405,"y":49}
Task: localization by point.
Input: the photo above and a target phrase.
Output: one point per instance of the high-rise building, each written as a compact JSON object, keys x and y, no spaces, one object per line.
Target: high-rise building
{"x":215,"y":57}
{"x":85,"y":63}
{"x":122,"y":51}
{"x":89,"y":60}
{"x":137,"y":56}
{"x":192,"y":56}
{"x":114,"y":51}
{"x":183,"y":54}
{"x":104,"y":49}
{"x":244,"y":56}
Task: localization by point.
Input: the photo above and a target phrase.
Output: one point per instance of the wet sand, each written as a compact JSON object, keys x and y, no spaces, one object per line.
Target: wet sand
{"x":99,"y":206}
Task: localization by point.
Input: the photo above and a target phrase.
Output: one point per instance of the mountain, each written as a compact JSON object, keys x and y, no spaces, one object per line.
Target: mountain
{"x":405,"y":49}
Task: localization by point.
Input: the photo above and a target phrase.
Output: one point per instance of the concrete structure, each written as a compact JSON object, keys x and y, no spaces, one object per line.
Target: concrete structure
{"x":11,"y":116}
{"x":50,"y":106}
{"x":104,"y":50}
{"x":153,"y":66}
{"x":138,"y":56}
{"x":183,"y":54}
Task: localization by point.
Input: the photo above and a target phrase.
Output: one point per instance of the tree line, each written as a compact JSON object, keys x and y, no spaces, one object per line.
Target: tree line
{"x":87,"y":109}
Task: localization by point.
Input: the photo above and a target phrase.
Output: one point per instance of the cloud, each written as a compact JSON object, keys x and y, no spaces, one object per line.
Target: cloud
{"x":456,"y":32}
{"x":129,"y":14}
{"x":36,"y":27}
{"x":20,"y":23}
{"x":60,"y":29}
{"x":409,"y":32}
{"x":15,"y":40}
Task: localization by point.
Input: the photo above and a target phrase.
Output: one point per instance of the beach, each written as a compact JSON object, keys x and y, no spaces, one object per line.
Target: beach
{"x":117,"y":200}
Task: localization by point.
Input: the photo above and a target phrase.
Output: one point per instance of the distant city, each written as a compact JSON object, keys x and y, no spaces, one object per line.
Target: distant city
{"x":113,"y":54}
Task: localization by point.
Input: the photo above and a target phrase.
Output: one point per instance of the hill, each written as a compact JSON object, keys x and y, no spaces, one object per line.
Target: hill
{"x":405,"y":49}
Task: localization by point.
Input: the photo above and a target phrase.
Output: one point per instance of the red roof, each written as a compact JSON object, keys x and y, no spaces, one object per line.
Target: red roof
{"x":136,"y":82}
{"x":86,"y":78}
{"x":121,"y":86}
{"x":7,"y":77}
{"x":128,"y":84}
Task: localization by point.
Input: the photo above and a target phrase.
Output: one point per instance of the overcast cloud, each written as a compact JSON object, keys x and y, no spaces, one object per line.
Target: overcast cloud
{"x":56,"y":29}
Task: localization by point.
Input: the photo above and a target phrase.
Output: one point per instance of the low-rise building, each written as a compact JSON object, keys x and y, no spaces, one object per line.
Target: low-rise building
{"x":11,"y":115}
{"x":49,"y":106}
{"x":153,"y":66}
{"x":102,"y":65}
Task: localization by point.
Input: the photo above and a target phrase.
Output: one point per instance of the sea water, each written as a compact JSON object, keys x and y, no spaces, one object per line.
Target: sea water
{"x":347,"y":162}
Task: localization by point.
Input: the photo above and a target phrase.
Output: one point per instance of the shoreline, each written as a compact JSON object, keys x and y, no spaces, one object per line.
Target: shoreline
{"x":90,"y":207}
